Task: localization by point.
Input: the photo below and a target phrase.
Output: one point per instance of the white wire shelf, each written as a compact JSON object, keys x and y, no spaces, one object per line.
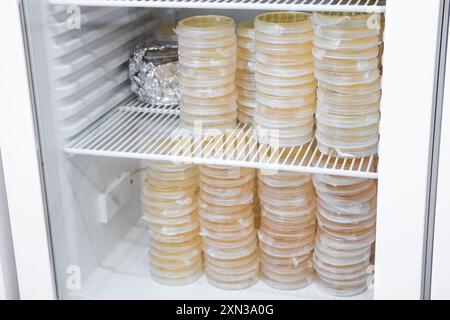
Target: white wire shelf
{"x":140,"y":131}
{"x":298,"y":5}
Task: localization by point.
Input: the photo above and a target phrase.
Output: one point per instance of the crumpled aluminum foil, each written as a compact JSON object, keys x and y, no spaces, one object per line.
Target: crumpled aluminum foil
{"x":154,"y":73}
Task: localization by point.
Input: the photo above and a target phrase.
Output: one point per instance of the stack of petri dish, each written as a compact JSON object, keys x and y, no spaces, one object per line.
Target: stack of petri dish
{"x":346,"y":231}
{"x":346,"y":59}
{"x":169,"y":198}
{"x":285,"y":82}
{"x":256,"y":203}
{"x":245,"y":76}
{"x":288,"y":228}
{"x":227,"y":226}
{"x":207,"y":63}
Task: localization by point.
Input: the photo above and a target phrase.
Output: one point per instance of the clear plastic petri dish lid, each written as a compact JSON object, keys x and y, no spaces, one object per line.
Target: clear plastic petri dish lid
{"x":175,"y":267}
{"x":343,"y":19}
{"x":351,"y":44}
{"x":197,"y":110}
{"x":246,"y":54}
{"x":297,"y":124}
{"x":333,"y":97}
{"x":338,"y":180}
{"x":367,"y":54}
{"x":364,"y":209}
{"x":303,"y":247}
{"x":283,"y":23}
{"x":278,"y":90}
{"x":291,"y":49}
{"x":353,"y":204}
{"x":246,"y":29}
{"x":154,"y":172}
{"x":245,"y":118}
{"x":173,"y":230}
{"x":283,"y":81}
{"x":168,"y":194}
{"x":283,"y":262}
{"x":206,"y":62}
{"x":246,"y":103}
{"x":230,"y":244}
{"x":346,"y":110}
{"x":347,"y":244}
{"x":208,"y":92}
{"x":228,"y":99}
{"x":291,"y":113}
{"x":226,"y":172}
{"x":295,"y":38}
{"x":287,"y":285}
{"x":245,"y":75}
{"x":347,"y":121}
{"x":340,"y":261}
{"x":230,"y":276}
{"x":223,"y":214}
{"x":245,"y":197}
{"x":168,"y":272}
{"x":340,"y":65}
{"x":181,"y":258}
{"x":345,"y":218}
{"x":180,"y":281}
{"x":230,"y":254}
{"x":286,"y":278}
{"x":304,"y":215}
{"x":233,"y":263}
{"x":239,"y":285}
{"x":244,"y":268}
{"x":206,"y":26}
{"x":284,"y":102}
{"x":225,"y":235}
{"x":340,"y":33}
{"x":362,"y":89}
{"x":355,"y":150}
{"x":230,"y":192}
{"x":289,"y":269}
{"x":245,"y":84}
{"x":226,"y":181}
{"x":201,"y":82}
{"x":348,"y":189}
{"x":288,"y":71}
{"x":325,"y":223}
{"x":289,"y":139}
{"x":207,"y":43}
{"x":286,"y":243}
{"x":288,"y":212}
{"x":347,"y":135}
{"x":246,"y":43}
{"x":221,"y":52}
{"x":212,"y":73}
{"x":247,"y":65}
{"x":179,"y":238}
{"x":278,"y":233}
{"x":340,"y":271}
{"x":284,"y":61}
{"x":340,"y":291}
{"x":347,"y":78}
{"x":287,"y":281}
{"x":285,"y":179}
{"x":170,"y":248}
{"x":154,"y":219}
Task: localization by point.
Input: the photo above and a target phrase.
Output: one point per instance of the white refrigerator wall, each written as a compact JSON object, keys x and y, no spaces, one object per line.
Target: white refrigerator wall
{"x":65,"y":105}
{"x":440,"y":275}
{"x":9,"y":289}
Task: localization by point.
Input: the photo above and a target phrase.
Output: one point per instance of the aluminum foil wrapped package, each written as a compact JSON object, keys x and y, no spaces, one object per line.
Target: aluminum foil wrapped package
{"x":154,"y":73}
